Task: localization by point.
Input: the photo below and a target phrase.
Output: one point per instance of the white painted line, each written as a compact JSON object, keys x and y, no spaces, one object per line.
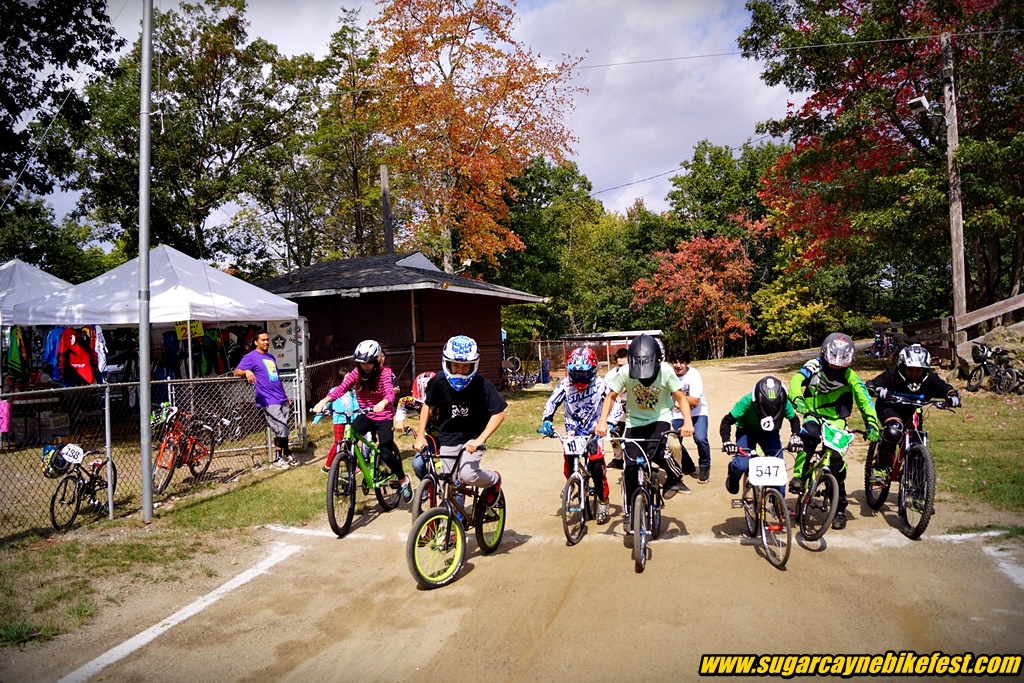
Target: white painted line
{"x":326,"y":533}
{"x":121,"y":651}
{"x":1004,"y":560}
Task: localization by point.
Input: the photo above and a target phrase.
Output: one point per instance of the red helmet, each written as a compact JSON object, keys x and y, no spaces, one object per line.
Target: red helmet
{"x":582,"y":367}
{"x":419,"y":387}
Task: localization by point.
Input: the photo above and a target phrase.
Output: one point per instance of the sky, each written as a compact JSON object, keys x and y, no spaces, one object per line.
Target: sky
{"x":661,"y":76}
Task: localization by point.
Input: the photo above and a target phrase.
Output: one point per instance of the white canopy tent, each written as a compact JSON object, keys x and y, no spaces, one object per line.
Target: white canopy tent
{"x":20,"y":282}
{"x":181,"y":288}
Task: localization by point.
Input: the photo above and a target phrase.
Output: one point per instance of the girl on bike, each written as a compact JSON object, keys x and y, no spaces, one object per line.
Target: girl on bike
{"x":339,"y":409}
{"x":468,"y":410}
{"x":583,"y":393}
{"x":375,"y":391}
{"x":651,"y":388}
{"x":758,"y":418}
{"x":910,"y":378}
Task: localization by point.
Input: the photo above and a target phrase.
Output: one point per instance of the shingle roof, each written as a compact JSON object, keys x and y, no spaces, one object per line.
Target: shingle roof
{"x":384,"y":273}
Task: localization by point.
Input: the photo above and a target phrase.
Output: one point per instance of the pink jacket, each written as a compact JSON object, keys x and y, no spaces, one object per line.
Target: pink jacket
{"x":368,"y":398}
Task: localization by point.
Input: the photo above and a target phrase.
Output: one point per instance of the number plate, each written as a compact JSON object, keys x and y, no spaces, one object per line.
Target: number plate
{"x":72,"y":453}
{"x":576,"y":445}
{"x":765,"y":471}
{"x":838,"y":440}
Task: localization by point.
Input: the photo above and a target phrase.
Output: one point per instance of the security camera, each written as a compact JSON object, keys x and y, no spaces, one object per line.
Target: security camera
{"x":919,"y":105}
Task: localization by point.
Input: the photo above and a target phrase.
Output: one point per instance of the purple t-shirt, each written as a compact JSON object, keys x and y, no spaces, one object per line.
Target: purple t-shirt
{"x":269,"y":390}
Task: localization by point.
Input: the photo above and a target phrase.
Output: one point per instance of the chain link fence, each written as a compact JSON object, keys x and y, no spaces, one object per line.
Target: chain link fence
{"x":106,"y":418}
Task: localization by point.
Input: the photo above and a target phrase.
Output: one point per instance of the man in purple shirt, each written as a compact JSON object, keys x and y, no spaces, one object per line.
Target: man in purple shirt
{"x":260,"y":369}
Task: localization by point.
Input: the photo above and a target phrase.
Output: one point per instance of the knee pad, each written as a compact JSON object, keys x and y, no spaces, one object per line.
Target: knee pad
{"x":892,"y":432}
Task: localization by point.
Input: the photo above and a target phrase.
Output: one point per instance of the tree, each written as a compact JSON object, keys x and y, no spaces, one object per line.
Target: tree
{"x":315,"y":195}
{"x":219,"y":103}
{"x":704,"y":282}
{"x":43,"y":44}
{"x":858,"y":150}
{"x":470,"y":107}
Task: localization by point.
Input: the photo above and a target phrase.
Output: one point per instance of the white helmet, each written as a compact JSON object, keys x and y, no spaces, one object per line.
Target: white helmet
{"x":368,"y":351}
{"x":460,"y":349}
{"x":914,"y":356}
{"x":837,"y":351}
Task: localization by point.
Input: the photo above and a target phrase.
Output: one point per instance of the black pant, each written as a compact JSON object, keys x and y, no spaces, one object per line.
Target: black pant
{"x":810,"y":434}
{"x":657,"y":452}
{"x":385,"y":431}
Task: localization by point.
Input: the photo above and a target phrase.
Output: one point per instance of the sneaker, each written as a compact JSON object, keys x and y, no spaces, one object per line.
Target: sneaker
{"x":615,"y":464}
{"x":840,"y":521}
{"x":879,"y":476}
{"x":406,"y":490}
{"x":325,"y":469}
{"x":796,"y":485}
{"x":292,"y":460}
{"x":490,"y":495}
{"x":280,"y":464}
{"x":678,"y":487}
{"x":602,"y":513}
{"x":731,"y":485}
{"x":703,"y":475}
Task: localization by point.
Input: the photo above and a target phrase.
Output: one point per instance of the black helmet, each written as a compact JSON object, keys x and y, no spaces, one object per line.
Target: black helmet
{"x":769,"y":398}
{"x":645,"y":356}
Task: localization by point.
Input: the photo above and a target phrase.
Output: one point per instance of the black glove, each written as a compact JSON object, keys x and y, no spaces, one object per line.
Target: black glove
{"x":795,"y":444}
{"x":730,"y":448}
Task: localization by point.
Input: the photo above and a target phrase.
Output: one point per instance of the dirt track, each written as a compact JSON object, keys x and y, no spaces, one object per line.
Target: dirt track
{"x":349,"y":610}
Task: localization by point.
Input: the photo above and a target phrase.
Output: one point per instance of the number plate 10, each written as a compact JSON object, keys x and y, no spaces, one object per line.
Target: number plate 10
{"x":576,"y":445}
{"x":767,"y":472}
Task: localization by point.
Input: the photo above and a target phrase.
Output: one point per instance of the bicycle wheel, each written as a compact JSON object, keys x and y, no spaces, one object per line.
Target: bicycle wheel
{"x":655,"y":520}
{"x":818,"y":506}
{"x":341,"y":492}
{"x":514,"y":364}
{"x":385,"y":484}
{"x":640,"y":531}
{"x":574,"y":517}
{"x":102,"y":495}
{"x":436,"y":548}
{"x":65,"y":503}
{"x":591,"y":499}
{"x":425,"y":496}
{"x":776,"y":529}
{"x":200,"y":458}
{"x":1005,"y":380}
{"x":489,"y":521}
{"x":976,"y":378}
{"x":167,"y":458}
{"x":875,"y":494}
{"x":917,"y":491}
{"x":749,"y":511}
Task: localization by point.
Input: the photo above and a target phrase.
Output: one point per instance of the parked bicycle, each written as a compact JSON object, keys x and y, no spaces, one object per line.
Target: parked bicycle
{"x":993,"y":371}
{"x":94,"y":483}
{"x":764,"y":508}
{"x":912,"y":467}
{"x":647,"y":501}
{"x":816,"y":507}
{"x":355,"y":454}
{"x":187,"y":441}
{"x":436,"y":548}
{"x":579,"y":499}
{"x":514,"y":375}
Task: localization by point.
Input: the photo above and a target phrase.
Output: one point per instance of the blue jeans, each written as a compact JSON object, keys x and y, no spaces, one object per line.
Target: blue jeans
{"x":700,"y":437}
{"x":771,"y":445}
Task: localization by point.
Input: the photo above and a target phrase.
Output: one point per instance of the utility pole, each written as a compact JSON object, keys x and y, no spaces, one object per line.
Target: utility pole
{"x":389,"y":235}
{"x":956,"y":220}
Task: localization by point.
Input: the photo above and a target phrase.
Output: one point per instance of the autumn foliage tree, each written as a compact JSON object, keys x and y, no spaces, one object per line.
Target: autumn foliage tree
{"x":470,"y":107}
{"x":705,"y":282}
{"x":866,"y":182}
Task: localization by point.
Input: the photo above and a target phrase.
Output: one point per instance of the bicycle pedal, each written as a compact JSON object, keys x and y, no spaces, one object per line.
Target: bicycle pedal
{"x":737,"y":503}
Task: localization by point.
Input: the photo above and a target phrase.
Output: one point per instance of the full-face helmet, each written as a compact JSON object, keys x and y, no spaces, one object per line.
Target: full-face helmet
{"x":769,"y":397}
{"x":645,"y":356}
{"x":460,"y":349}
{"x":836,"y":353}
{"x":913,"y":364}
{"x":419,"y":387}
{"x":54,"y":464}
{"x":582,"y":367}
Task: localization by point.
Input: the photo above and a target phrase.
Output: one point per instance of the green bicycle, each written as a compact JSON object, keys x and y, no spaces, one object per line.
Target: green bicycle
{"x":356,"y":454}
{"x":818,"y":503}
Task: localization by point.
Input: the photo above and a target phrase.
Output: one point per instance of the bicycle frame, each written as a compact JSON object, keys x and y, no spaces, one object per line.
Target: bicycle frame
{"x":755,"y":510}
